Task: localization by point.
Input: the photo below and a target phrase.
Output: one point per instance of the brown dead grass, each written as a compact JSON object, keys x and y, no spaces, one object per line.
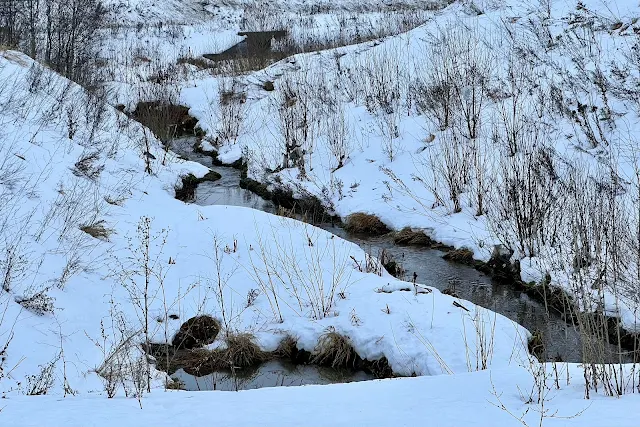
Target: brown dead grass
{"x":174,"y":384}
{"x":407,"y":236}
{"x":97,"y":230}
{"x":287,"y":348}
{"x":365,"y":223}
{"x":462,"y":256}
{"x":334,"y":350}
{"x":242,"y":350}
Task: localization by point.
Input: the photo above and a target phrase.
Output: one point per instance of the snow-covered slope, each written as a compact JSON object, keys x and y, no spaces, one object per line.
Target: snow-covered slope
{"x":93,"y":245}
{"x":561,"y":78}
{"x":88,"y":197}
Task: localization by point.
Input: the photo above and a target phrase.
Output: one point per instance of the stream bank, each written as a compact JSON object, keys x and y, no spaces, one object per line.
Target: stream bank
{"x":495,"y":285}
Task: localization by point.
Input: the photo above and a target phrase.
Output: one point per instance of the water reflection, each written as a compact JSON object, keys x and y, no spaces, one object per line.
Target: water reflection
{"x":276,"y":373}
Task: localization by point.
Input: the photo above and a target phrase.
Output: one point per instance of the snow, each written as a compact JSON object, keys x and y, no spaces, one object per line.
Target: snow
{"x":203,"y":259}
{"x":442,"y":401}
{"x":404,"y":190}
{"x":64,"y":169}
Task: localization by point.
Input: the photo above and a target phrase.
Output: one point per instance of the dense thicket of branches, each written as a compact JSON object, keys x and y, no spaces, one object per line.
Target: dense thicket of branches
{"x":63,"y":33}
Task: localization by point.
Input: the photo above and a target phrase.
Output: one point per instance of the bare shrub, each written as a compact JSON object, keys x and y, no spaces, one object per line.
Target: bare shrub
{"x":296,"y":123}
{"x":338,"y":138}
{"x":452,"y":89}
{"x":86,"y":166}
{"x":39,"y":384}
{"x":435,"y":99}
{"x":231,"y":111}
{"x":286,"y":269}
{"x":121,"y":364}
{"x":528,"y":194}
{"x":451,"y":161}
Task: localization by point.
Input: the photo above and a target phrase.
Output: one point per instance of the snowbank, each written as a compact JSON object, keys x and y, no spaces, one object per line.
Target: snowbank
{"x":466,"y":399}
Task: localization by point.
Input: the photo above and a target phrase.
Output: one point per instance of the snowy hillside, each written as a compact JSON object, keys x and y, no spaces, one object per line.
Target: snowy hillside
{"x":476,"y":126}
{"x":81,"y":204}
{"x":493,"y":127}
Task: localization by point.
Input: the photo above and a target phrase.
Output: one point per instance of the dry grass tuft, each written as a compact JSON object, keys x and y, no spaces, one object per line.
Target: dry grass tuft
{"x":86,"y":166}
{"x":365,"y":223}
{"x":242,"y":351}
{"x":462,"y":256}
{"x":287,"y":348}
{"x":407,"y":236}
{"x":334,"y":350}
{"x":97,"y":230}
{"x":174,"y":384}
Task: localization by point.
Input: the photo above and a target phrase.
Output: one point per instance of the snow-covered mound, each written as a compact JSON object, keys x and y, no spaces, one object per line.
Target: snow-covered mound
{"x":96,"y":254}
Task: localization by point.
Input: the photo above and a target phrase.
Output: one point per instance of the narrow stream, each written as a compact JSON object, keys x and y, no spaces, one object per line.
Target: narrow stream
{"x":562,"y":341}
{"x":275,"y":373}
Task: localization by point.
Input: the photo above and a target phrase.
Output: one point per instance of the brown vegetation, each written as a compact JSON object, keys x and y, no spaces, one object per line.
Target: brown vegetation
{"x":97,"y":230}
{"x":462,"y":256}
{"x":365,"y":223}
{"x":196,"y":332}
{"x":407,"y":236}
{"x":334,"y":350}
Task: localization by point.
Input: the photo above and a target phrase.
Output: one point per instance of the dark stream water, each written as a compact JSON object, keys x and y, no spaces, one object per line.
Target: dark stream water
{"x":561,"y":339}
{"x":275,"y":373}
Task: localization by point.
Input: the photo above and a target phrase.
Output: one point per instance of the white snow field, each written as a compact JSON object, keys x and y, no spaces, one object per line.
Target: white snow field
{"x":97,"y":256}
{"x":443,"y":401}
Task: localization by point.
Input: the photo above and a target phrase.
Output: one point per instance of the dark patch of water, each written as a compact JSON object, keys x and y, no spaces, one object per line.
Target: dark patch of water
{"x":276,"y":373}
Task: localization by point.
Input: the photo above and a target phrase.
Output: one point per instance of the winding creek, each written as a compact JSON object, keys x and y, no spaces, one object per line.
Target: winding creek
{"x":561,"y":340}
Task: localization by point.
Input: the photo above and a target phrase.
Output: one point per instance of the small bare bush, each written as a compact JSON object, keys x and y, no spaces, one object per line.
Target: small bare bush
{"x":451,"y":164}
{"x":338,"y":138}
{"x":231,"y":111}
{"x":86,"y":166}
{"x":39,"y":384}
